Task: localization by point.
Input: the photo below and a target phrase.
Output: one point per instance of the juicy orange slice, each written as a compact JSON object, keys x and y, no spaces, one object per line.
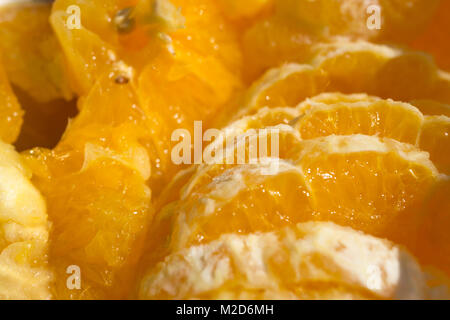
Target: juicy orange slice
{"x":381,"y":70}
{"x":11,"y":113}
{"x":305,"y":261}
{"x":368,"y":183}
{"x":95,"y":185}
{"x":366,"y":115}
{"x":341,"y":114}
{"x":200,"y":61}
{"x":360,"y":114}
{"x":24,"y":271}
{"x":272,"y":42}
{"x":31,"y":53}
{"x":233,"y":225}
{"x":350,"y":67}
{"x":365,"y":182}
{"x":86,"y":53}
{"x":208,"y":33}
{"x":197,"y":98}
{"x":239,"y":130}
{"x":322,"y":116}
{"x":284,"y":86}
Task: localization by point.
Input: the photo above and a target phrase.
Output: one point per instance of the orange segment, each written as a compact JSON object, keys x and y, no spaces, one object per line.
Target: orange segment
{"x":95,"y":185}
{"x":350,"y":67}
{"x":200,"y":61}
{"x":386,"y":118}
{"x":101,"y":231}
{"x":86,"y":53}
{"x":435,"y":138}
{"x":208,"y":34}
{"x":236,"y":195}
{"x":197,"y":99}
{"x":241,"y":224}
{"x":368,"y":183}
{"x":91,"y":49}
{"x":239,"y":130}
{"x":204,"y":185}
{"x":284,"y":86}
{"x":196,"y":25}
{"x":272,"y":42}
{"x":382,"y":70}
{"x":31,"y":53}
{"x":24,"y":270}
{"x":11,"y":114}
{"x":305,"y":261}
{"x":360,"y":114}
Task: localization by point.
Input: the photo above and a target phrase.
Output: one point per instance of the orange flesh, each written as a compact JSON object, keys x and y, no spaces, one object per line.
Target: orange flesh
{"x":105,"y":173}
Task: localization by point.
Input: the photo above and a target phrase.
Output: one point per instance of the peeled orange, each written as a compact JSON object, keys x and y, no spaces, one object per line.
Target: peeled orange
{"x":304,"y":261}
